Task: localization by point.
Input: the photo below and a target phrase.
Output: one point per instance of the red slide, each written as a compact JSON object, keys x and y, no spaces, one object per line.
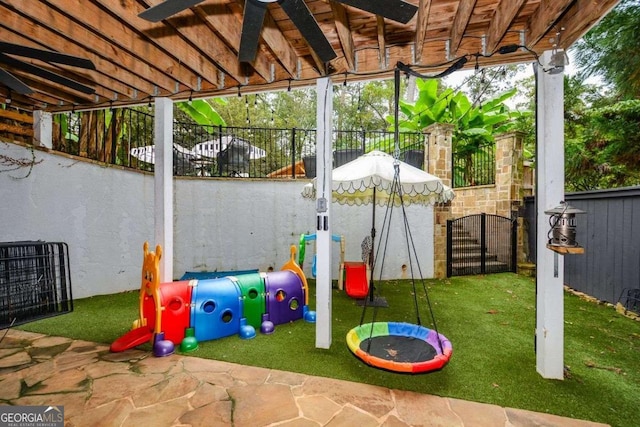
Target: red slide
{"x":131,"y":339}
{"x":355,"y":283}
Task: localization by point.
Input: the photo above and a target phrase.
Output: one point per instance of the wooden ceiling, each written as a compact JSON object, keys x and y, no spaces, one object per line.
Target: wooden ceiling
{"x":194,"y":53}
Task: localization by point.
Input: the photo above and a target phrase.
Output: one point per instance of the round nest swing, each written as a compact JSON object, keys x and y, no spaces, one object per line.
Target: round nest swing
{"x":399,"y":347}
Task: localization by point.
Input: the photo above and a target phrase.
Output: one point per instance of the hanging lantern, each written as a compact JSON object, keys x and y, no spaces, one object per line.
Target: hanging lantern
{"x":563,"y":229}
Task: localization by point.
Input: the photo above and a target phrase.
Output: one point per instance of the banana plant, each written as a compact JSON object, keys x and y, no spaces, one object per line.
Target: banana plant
{"x":202,"y":112}
{"x":475,"y":124}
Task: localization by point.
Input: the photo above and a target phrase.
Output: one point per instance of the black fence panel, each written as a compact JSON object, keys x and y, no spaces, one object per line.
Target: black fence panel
{"x":474,"y":167}
{"x":35,"y":281}
{"x":125,"y":137}
{"x":481,"y":244}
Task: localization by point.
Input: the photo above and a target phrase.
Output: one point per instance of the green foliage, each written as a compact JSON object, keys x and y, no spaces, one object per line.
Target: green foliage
{"x":202,"y":112}
{"x":610,"y":50}
{"x":606,"y":152}
{"x":475,"y":124}
{"x":490,"y":321}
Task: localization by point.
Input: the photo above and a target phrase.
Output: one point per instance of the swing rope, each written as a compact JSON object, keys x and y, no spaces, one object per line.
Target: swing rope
{"x":396,"y":191}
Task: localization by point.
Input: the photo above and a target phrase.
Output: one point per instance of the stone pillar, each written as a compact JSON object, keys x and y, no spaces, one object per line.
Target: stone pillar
{"x":439,"y":158}
{"x":439,"y":164}
{"x":509,"y":173}
{"x":441,"y":213}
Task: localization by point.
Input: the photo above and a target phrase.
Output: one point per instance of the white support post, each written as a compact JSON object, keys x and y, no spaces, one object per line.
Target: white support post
{"x":43,"y":129}
{"x":549,"y":193}
{"x":324,"y":165}
{"x":163,"y":185}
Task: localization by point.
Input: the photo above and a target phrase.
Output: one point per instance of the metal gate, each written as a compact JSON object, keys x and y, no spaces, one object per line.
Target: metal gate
{"x":481,"y":244}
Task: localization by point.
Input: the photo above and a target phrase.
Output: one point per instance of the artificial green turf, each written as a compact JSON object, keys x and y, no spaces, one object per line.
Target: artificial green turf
{"x":490,"y":321}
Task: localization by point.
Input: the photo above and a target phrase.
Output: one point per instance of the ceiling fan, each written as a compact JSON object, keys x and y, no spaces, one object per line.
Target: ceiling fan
{"x":9,"y":50}
{"x":298,"y":12}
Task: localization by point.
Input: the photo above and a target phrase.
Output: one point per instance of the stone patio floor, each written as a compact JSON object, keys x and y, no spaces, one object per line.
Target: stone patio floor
{"x":133,"y":388}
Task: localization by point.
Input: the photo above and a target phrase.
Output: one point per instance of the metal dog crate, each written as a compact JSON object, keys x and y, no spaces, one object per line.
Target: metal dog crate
{"x":34,"y":281}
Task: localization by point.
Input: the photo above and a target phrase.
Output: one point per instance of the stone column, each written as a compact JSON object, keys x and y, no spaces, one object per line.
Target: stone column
{"x":439,"y":164}
{"x":441,"y":213}
{"x":439,"y":158}
{"x":509,"y":173}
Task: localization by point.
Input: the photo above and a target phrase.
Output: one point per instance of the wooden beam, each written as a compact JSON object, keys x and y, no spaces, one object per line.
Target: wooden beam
{"x":62,"y":93}
{"x":344,"y":33}
{"x":36,"y":100}
{"x":279,"y":45}
{"x":19,"y":117}
{"x":580,"y":17}
{"x":321,"y":67}
{"x":220,"y":19}
{"x":382,"y":42}
{"x":90,"y":19}
{"x":107,"y":74}
{"x":463,"y":14}
{"x":502,"y":19}
{"x":543,"y":19}
{"x":424,"y":7}
{"x":127,"y":70}
{"x":16,"y":130}
{"x":186,"y":39}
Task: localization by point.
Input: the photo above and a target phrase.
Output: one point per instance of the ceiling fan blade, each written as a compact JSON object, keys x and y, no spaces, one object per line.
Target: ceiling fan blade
{"x":166,"y":9}
{"x":46,"y":74}
{"x":396,"y":10}
{"x":13,"y":83}
{"x":254,"y":12}
{"x":303,"y":19}
{"x":46,"y":55}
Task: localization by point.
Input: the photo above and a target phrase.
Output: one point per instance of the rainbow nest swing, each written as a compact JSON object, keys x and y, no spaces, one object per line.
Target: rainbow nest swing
{"x":399,"y":346}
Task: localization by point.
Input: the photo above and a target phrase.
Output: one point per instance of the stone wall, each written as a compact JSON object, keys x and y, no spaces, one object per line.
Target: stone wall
{"x":513,"y":182}
{"x":506,"y":195}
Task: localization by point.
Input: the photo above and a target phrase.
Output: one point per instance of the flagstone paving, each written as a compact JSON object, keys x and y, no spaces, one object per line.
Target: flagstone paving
{"x":133,"y":388}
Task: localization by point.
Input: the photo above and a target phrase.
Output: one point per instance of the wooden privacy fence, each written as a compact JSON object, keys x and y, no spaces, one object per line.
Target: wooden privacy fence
{"x":609,"y":231}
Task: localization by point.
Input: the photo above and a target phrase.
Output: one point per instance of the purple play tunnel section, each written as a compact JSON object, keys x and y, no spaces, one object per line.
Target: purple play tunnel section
{"x":285,"y":297}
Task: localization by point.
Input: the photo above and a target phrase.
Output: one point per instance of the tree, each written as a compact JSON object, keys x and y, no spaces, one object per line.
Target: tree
{"x":607,"y":152}
{"x":611,"y":50}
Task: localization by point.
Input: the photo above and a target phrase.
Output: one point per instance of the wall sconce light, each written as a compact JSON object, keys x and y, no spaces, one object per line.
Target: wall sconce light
{"x":563,"y":229}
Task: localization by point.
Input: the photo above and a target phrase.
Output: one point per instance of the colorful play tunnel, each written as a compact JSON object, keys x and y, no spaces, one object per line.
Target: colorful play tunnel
{"x":212,"y":308}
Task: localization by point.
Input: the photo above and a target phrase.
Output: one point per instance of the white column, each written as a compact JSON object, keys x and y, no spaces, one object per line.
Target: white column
{"x":549,"y":193}
{"x":324,"y":164}
{"x":163,"y":185}
{"x":42,"y":129}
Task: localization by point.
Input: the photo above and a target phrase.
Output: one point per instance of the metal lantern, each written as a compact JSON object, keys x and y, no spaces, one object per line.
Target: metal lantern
{"x":563,"y":226}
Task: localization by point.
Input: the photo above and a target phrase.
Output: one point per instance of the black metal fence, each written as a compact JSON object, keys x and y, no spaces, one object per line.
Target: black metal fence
{"x":474,"y":167}
{"x":34,"y":281}
{"x":481,"y":244}
{"x":125,"y":137}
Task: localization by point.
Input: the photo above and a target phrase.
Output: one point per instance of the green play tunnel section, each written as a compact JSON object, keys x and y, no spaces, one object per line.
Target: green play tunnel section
{"x":253,"y":297}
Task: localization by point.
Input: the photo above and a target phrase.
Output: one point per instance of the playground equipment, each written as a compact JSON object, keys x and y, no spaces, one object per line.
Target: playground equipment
{"x":304,"y":238}
{"x":353,"y":276}
{"x":356,"y":279}
{"x":189,"y":311}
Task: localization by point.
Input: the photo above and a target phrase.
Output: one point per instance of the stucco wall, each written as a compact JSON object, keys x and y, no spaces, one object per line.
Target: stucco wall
{"x":105,"y":214}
